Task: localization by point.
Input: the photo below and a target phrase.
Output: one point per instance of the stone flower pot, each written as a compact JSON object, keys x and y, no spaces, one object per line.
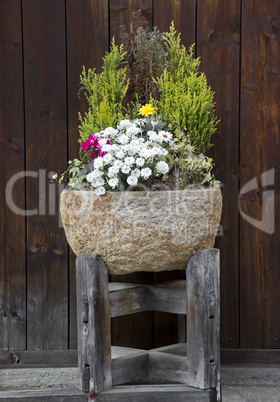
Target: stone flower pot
{"x":141,"y":231}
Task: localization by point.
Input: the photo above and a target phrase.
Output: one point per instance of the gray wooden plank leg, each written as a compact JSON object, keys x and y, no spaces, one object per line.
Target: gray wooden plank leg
{"x":94,"y":335}
{"x":181,"y":325}
{"x":203,"y":319}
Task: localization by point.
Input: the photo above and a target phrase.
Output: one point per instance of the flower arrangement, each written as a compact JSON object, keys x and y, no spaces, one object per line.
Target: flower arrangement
{"x":149,"y":137}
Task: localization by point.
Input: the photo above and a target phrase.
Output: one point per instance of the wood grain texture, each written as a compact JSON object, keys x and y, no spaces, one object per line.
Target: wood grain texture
{"x":125,"y":394}
{"x":259,"y":145}
{"x":94,"y":335}
{"x":218,"y":45}
{"x":87,"y":42}
{"x":156,"y":393}
{"x":12,"y":224}
{"x":182,"y":13}
{"x":46,"y":139}
{"x":203,"y":319}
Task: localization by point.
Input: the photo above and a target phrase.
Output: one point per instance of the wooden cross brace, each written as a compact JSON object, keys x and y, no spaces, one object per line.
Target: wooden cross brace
{"x":195,"y":363}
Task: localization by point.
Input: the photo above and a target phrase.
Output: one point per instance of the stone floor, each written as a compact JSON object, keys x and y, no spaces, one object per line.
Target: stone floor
{"x":239,"y":383}
{"x":247,"y":383}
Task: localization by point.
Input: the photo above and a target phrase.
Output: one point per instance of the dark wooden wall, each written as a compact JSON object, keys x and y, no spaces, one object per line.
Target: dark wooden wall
{"x":44,"y":44}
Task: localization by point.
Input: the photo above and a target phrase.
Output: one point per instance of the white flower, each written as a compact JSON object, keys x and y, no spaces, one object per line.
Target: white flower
{"x":125,"y":169}
{"x":106,"y":147}
{"x":110,"y":132}
{"x":113,"y":171}
{"x":162,"y":167}
{"x":135,"y":172}
{"x":113,"y":182}
{"x":146,"y":153}
{"x":118,"y":163}
{"x":152,"y":135}
{"x":98,"y":182}
{"x":140,"y":122}
{"x":132,"y":131}
{"x":129,"y":160}
{"x":107,"y":158}
{"x":100,"y":190}
{"x":154,"y":122}
{"x":124,"y":124}
{"x":165,"y":136}
{"x":120,"y":154}
{"x":146,"y":173}
{"x":140,"y":162}
{"x":132,"y":180}
{"x":98,"y":162}
{"x":123,"y":139}
{"x":94,"y":174}
{"x":102,"y":141}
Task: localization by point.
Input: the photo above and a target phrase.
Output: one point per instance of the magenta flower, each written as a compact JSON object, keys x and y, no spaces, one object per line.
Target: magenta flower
{"x":93,"y":141}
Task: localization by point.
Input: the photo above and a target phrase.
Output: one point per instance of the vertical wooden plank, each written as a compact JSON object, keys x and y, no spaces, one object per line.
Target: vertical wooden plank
{"x":182,"y":12}
{"x":120,"y":13}
{"x":203,"y":319}
{"x":259,"y":158}
{"x":46,"y":144}
{"x":132,"y":330}
{"x":87,"y":42}
{"x":218,"y":45}
{"x":93,"y":316}
{"x":12,"y":223}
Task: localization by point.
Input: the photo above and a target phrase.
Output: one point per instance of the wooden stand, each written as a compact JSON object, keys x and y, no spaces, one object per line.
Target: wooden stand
{"x":190,"y":370}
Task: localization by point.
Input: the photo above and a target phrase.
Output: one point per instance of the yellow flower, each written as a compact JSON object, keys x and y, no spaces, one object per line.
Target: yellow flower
{"x":147,"y":109}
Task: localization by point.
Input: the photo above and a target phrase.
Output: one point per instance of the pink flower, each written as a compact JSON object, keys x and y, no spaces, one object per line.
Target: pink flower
{"x":92,"y":141}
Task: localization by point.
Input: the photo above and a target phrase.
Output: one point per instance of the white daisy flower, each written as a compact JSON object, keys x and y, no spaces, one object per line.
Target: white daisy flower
{"x":100,"y":190}
{"x":162,"y":167}
{"x":166,"y":136}
{"x":132,"y":180}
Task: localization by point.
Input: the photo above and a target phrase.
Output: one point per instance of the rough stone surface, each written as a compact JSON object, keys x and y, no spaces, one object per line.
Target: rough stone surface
{"x":39,"y":378}
{"x":141,"y":231}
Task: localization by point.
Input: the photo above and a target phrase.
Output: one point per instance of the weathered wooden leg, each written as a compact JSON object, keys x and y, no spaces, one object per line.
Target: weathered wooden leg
{"x":94,"y":339}
{"x":203,"y":319}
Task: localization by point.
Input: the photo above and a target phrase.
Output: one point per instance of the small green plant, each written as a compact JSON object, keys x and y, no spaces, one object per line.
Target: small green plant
{"x":145,"y":54}
{"x":105,"y":93}
{"x":185,"y":99}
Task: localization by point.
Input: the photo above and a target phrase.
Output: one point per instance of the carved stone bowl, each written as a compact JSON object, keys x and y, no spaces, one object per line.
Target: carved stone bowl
{"x":141,"y":231}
